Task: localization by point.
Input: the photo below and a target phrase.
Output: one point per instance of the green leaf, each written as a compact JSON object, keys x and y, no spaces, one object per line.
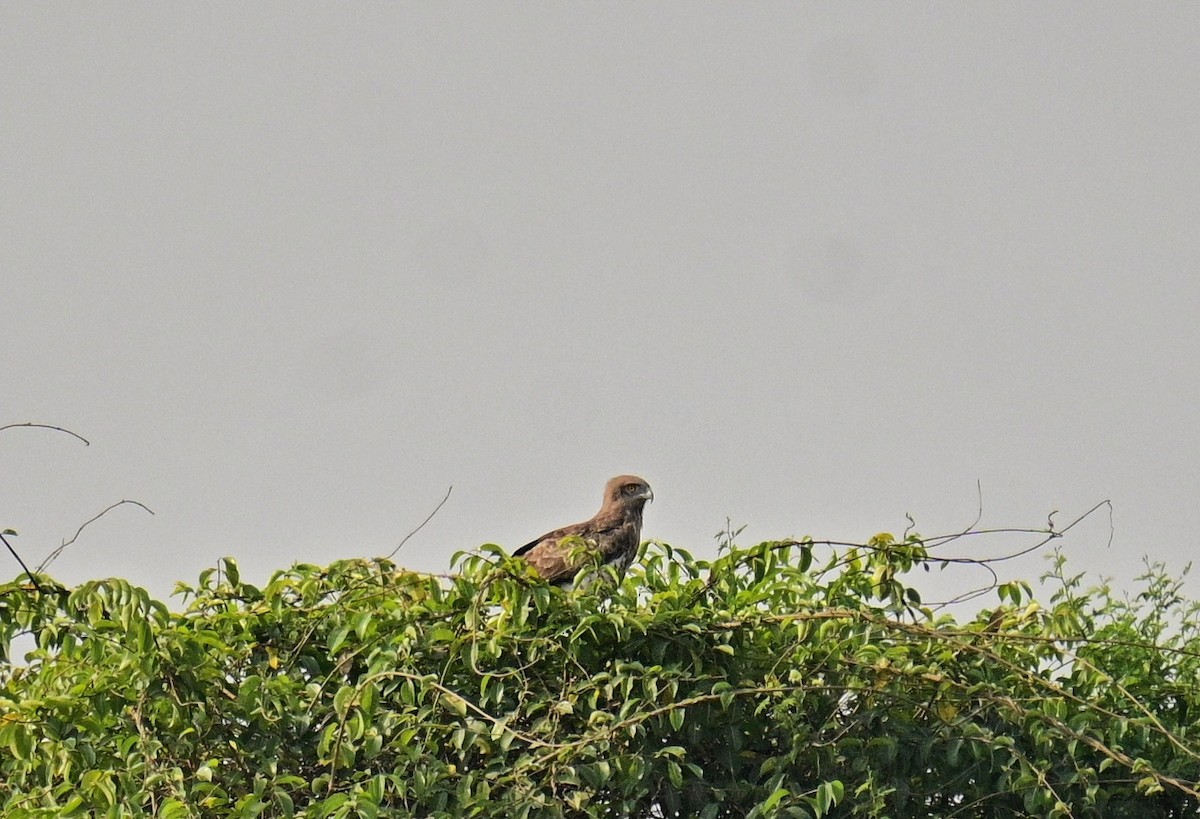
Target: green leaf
{"x":828,"y":795}
{"x":674,"y":773}
{"x":232,"y":574}
{"x":456,"y":704}
{"x":342,"y":699}
{"x":779,"y":793}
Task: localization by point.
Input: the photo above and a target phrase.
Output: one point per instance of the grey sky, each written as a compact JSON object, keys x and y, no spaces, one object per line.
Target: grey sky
{"x":294,"y":270}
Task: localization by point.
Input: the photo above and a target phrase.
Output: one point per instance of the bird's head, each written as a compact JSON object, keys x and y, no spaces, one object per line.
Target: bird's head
{"x":628,"y":491}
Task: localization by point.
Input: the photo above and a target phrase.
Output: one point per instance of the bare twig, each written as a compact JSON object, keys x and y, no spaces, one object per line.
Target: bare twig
{"x":1050,"y":533}
{"x":422,"y":524}
{"x":52,"y":428}
{"x":50,"y":558}
{"x":936,"y":541}
{"x":979,"y":508}
{"x":32,"y":579}
{"x":30,"y":424}
{"x":970,"y":527}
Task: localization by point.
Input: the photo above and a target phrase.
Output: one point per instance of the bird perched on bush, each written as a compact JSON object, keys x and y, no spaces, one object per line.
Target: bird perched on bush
{"x":615,"y":532}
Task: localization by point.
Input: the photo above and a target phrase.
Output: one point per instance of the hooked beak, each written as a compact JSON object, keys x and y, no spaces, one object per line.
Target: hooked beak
{"x":648,"y":495}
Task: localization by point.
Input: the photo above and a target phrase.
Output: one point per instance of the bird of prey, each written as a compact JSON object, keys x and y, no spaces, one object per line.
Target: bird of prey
{"x":615,"y":532}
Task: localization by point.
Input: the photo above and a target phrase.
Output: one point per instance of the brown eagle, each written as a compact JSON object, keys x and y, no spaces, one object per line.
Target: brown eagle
{"x":615,"y":531}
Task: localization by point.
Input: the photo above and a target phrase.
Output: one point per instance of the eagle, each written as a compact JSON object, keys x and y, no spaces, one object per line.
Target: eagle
{"x":615,"y":532}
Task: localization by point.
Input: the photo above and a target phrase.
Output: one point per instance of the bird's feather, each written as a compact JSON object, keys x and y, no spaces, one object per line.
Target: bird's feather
{"x":614,"y":531}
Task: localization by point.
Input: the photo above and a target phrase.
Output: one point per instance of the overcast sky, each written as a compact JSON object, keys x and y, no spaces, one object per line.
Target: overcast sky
{"x":296,"y":269}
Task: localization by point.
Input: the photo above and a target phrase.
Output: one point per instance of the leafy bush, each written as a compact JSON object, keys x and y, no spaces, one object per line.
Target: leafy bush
{"x":753,"y":685}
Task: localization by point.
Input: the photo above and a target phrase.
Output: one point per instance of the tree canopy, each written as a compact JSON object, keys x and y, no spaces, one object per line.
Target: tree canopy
{"x":790,"y":678}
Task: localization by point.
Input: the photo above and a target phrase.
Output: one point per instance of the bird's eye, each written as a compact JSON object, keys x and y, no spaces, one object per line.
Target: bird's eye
{"x":631,"y":488}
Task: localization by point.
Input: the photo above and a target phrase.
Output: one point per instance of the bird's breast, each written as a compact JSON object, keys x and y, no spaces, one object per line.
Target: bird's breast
{"x":621,"y":559}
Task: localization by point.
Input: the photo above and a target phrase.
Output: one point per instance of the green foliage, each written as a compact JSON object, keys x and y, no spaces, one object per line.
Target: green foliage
{"x":759,"y":684}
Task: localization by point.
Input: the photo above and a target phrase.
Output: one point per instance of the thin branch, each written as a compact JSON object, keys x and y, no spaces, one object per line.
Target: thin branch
{"x":941,"y":540}
{"x":936,"y":541}
{"x":1162,"y":729}
{"x":30,"y":424}
{"x":1051,"y":533}
{"x":32,"y":579}
{"x":50,"y":558}
{"x":52,"y":428}
{"x":422,"y":524}
{"x":979,"y":508}
{"x":968,"y":530}
{"x":972,"y":593}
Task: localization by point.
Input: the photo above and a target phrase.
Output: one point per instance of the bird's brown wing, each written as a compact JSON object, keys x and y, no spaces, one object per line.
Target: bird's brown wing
{"x":549,"y":556}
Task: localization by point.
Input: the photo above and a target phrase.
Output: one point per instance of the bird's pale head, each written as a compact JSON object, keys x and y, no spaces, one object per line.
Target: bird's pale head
{"x":628,"y":491}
